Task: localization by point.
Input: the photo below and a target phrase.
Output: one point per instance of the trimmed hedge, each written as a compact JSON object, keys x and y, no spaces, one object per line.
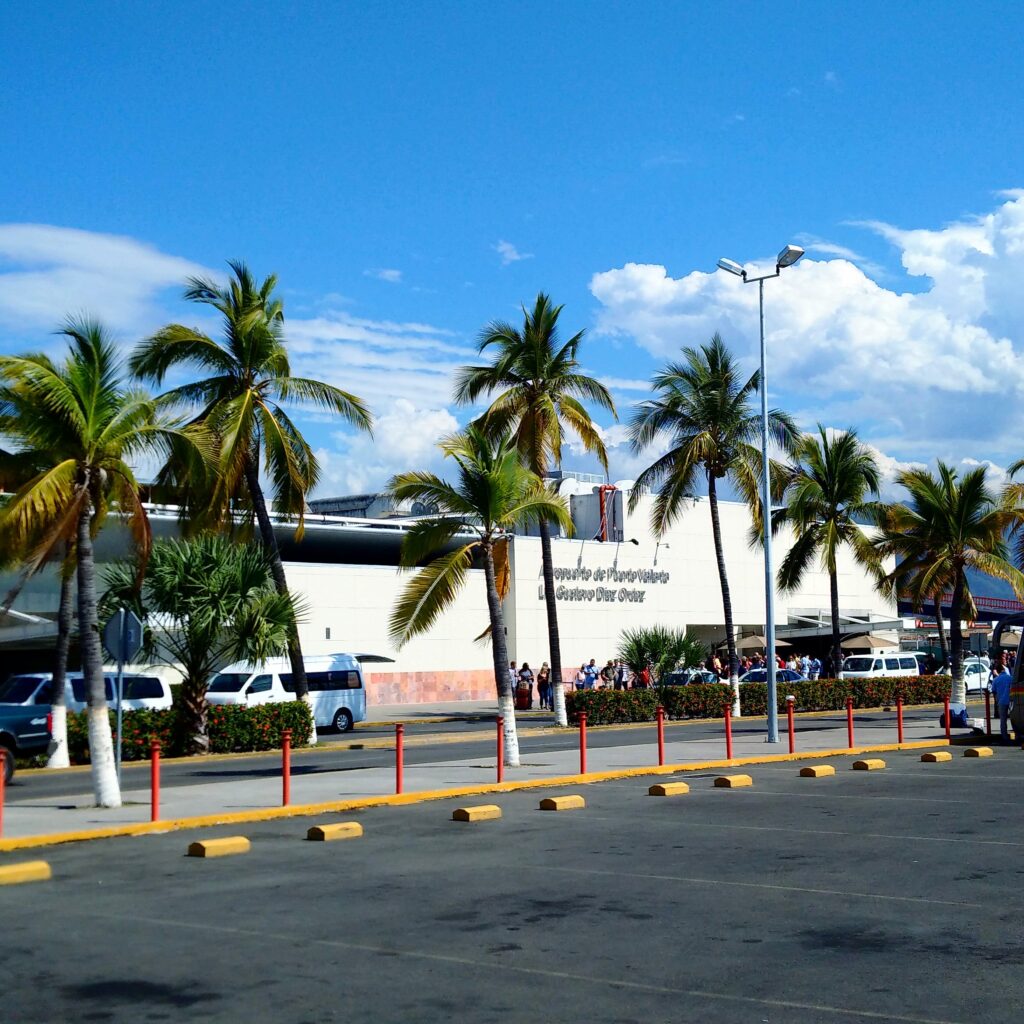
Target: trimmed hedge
{"x":706,"y":700}
{"x":231,"y":729}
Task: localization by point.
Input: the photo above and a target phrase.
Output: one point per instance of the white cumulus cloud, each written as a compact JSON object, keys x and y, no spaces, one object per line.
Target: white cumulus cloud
{"x":405,"y":438}
{"x":916,"y":371}
{"x":509,"y":253}
{"x":388,"y":274}
{"x":48,"y":272}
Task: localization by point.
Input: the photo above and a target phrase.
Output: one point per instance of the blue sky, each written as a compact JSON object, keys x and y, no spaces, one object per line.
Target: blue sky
{"x":411,"y":171}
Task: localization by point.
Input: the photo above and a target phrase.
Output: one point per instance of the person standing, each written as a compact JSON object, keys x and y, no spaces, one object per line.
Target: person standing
{"x":544,"y":688}
{"x":815,"y":667}
{"x":805,"y":667}
{"x":1001,"y":684}
{"x":581,"y":677}
{"x":526,"y":683}
{"x":620,"y":675}
{"x":513,"y":675}
{"x":608,"y":675}
{"x":591,"y":671}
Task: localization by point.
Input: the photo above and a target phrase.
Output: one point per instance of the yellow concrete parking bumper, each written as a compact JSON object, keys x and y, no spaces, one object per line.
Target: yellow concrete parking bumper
{"x":817,"y":771}
{"x":869,"y":764}
{"x":28,"y":871}
{"x":668,"y":789}
{"x":978,"y":752}
{"x":482,"y":812}
{"x":226,"y":847}
{"x":733,"y":781}
{"x":336,"y":830}
{"x":936,"y":756}
{"x":562,"y":803}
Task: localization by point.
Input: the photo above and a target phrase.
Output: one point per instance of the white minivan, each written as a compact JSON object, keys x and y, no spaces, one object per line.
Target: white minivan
{"x":142,"y":692}
{"x":879,"y":666}
{"x":335,"y":687}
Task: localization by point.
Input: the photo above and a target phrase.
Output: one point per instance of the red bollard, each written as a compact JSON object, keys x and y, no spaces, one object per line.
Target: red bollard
{"x":945,"y":706}
{"x":286,"y":767}
{"x":399,"y":756}
{"x":849,"y":721}
{"x":583,"y":743}
{"x":790,"y":701}
{"x":728,"y":731}
{"x":154,"y":781}
{"x":661,"y":735}
{"x":501,"y":748}
{"x":899,"y":719}
{"x":988,"y":716}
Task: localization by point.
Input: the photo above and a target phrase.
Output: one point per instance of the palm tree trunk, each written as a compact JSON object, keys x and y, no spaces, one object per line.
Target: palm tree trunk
{"x":194,"y":706}
{"x":101,"y":745}
{"x":943,"y":643}
{"x":723,"y":579}
{"x":958,"y":690}
{"x":499,"y":650}
{"x":259,"y":503}
{"x":554,"y":643}
{"x":837,"y":646}
{"x":58,"y":708}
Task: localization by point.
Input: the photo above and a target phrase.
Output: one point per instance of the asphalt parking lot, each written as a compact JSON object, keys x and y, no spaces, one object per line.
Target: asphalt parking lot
{"x":875,"y":896}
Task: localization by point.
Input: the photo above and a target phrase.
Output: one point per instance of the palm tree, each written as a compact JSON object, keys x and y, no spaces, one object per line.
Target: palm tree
{"x":911,"y":588}
{"x":213,"y":602}
{"x":494,"y":493}
{"x":19,"y":468}
{"x":92,"y":426}
{"x":660,"y":649}
{"x":703,"y":404}
{"x":241,"y":403}
{"x":828,"y":492}
{"x":947,"y":525}
{"x":538,"y":385}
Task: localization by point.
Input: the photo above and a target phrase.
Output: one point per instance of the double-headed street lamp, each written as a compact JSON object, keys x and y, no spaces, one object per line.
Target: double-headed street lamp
{"x":786,"y":258}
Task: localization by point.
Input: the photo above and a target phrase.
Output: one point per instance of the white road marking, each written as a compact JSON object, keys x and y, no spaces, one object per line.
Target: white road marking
{"x":763,"y":885}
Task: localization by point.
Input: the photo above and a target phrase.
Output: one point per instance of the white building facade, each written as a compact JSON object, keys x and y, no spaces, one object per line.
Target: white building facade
{"x":346,"y":574}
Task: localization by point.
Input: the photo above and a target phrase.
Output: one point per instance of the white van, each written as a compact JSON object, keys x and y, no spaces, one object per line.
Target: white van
{"x":879,"y":666}
{"x":335,"y":687}
{"x":142,"y":692}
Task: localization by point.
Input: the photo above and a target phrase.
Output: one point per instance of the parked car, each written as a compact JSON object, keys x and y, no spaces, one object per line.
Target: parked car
{"x":142,"y":692}
{"x":23,"y":731}
{"x":760,"y":675}
{"x":977,"y":673}
{"x":335,"y":687}
{"x":880,"y":666}
{"x":688,"y":676}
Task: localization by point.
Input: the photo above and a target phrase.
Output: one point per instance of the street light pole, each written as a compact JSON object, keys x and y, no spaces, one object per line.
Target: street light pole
{"x":786,"y":258}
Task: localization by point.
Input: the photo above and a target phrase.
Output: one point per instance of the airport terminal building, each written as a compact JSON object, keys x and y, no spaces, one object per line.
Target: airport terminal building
{"x":611,"y":575}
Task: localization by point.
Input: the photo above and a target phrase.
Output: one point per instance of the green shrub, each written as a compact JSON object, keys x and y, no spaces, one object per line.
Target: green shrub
{"x":706,"y":700}
{"x":232,"y":729}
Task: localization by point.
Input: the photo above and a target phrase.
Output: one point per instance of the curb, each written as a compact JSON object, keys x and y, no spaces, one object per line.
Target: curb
{"x":423,"y":796}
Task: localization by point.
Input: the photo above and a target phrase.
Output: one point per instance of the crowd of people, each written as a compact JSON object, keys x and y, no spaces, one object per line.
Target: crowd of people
{"x":615,"y":674}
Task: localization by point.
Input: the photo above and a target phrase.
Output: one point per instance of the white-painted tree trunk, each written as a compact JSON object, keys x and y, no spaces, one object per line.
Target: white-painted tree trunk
{"x":59,"y":757}
{"x":101,"y":753}
{"x":507,"y":707}
{"x":308,"y":701}
{"x":558,"y":695}
{"x":734,"y":682}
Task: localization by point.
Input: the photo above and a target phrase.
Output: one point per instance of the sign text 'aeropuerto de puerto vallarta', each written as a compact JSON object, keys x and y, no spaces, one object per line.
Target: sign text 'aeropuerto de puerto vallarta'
{"x":603,"y":592}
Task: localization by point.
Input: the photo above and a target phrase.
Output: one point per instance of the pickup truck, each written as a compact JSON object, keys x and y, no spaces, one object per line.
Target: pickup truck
{"x":23,"y":731}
